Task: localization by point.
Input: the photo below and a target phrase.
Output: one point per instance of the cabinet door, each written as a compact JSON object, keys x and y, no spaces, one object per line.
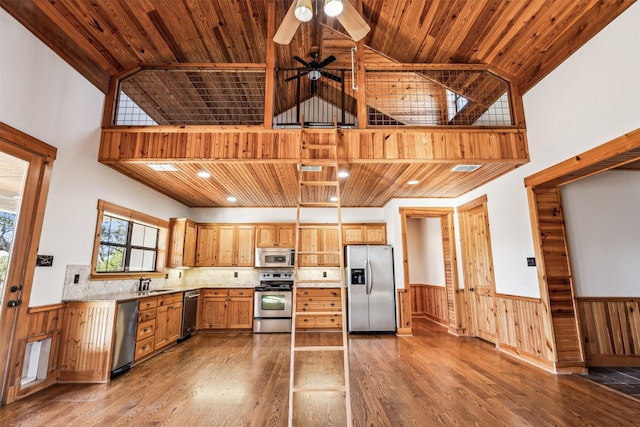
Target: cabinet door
{"x":240,"y":313}
{"x":308,"y":243}
{"x":329,"y":242}
{"x":162,"y":314}
{"x":352,"y":234}
{"x":174,"y":322}
{"x":245,"y":244}
{"x":214,"y":312}
{"x":206,"y":244}
{"x":286,"y":235}
{"x":266,"y":236}
{"x":375,"y":234}
{"x":226,"y":245}
{"x":190,"y":239}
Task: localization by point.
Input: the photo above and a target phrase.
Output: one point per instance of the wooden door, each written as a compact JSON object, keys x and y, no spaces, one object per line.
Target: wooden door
{"x":353,"y":235}
{"x":244,"y":247}
{"x":174,"y":322}
{"x":477,"y":265}
{"x":266,"y":236}
{"x":214,"y":312}
{"x":240,"y":313}
{"x":205,"y":246}
{"x":162,"y":316}
{"x":286,"y":236}
{"x":375,"y":234}
{"x":191,"y":233}
{"x":226,"y":245}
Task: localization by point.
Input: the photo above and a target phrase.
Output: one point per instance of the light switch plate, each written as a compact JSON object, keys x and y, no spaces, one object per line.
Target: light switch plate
{"x":531,"y":262}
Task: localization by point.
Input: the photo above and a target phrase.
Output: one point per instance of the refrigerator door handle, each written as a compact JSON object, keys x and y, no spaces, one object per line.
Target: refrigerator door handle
{"x":367,"y":264}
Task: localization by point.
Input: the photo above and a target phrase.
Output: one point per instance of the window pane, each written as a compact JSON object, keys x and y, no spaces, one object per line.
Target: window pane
{"x":144,"y":236}
{"x":142,"y":260}
{"x":150,"y":237}
{"x":137,"y":234}
{"x":110,"y":259}
{"x":114,"y":230}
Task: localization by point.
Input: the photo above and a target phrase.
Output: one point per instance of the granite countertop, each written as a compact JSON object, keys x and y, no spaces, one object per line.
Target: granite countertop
{"x":127,"y":296}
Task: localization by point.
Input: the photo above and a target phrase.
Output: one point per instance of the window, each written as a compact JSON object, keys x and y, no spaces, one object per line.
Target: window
{"x":128,"y":243}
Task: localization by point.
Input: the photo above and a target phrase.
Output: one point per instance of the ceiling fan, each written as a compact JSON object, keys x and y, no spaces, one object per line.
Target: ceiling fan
{"x":314,"y":70}
{"x":302,"y":11}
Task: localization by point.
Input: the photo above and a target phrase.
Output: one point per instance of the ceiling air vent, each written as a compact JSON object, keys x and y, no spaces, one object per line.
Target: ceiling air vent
{"x":465,"y":168}
{"x":311,"y":168}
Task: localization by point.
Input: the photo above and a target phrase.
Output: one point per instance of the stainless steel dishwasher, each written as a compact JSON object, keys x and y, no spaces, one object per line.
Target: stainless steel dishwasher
{"x":189,"y":311}
{"x":124,"y":344}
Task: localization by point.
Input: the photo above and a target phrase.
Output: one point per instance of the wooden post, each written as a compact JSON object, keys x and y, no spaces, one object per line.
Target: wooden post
{"x":269,"y":74}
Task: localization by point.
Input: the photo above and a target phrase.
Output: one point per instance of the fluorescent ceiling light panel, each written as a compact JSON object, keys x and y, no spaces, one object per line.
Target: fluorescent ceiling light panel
{"x":465,"y":168}
{"x":162,"y":167}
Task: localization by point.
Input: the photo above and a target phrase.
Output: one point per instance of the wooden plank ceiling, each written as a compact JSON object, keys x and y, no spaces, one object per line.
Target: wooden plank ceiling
{"x":521,"y":41}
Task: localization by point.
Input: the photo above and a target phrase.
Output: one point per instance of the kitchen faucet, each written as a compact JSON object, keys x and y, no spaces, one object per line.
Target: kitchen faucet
{"x":144,"y":284}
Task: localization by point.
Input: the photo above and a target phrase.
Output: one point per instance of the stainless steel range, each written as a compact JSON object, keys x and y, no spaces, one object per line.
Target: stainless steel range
{"x":273,"y":302}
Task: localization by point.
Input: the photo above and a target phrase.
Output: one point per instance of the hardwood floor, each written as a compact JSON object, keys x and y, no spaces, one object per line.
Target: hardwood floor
{"x":430,"y":379}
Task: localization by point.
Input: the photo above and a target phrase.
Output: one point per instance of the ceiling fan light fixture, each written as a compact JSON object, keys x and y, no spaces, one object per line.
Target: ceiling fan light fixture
{"x":333,"y":7}
{"x":314,"y":74}
{"x":303,"y":11}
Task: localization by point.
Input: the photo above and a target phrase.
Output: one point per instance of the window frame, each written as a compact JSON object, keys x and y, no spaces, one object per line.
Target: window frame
{"x":110,"y":209}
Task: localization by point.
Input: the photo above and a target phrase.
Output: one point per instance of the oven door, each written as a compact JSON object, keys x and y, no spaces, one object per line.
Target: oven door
{"x":272,"y":304}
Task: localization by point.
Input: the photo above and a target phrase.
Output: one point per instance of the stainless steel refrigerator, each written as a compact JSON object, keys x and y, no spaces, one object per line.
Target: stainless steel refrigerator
{"x":371,"y":292}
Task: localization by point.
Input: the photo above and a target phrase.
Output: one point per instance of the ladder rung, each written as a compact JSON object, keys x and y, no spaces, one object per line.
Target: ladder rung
{"x":321,"y":183}
{"x":325,"y":226}
{"x":319,"y":204}
{"x":319,"y":388}
{"x":319,"y":146}
{"x":319,"y":313}
{"x":319,"y":348}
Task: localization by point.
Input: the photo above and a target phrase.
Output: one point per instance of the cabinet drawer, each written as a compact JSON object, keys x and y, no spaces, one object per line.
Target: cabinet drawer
{"x":240,"y":292}
{"x":145,"y":315}
{"x":319,"y":304}
{"x":324,"y":321}
{"x":144,"y":348}
{"x":169,"y":299}
{"x":147,"y":303}
{"x":146,"y":329}
{"x":318,"y":292}
{"x":215,"y":292}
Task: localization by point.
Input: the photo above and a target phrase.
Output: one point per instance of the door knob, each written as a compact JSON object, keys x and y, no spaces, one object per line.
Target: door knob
{"x":14,"y":303}
{"x":472,"y":289}
{"x":15,"y":288}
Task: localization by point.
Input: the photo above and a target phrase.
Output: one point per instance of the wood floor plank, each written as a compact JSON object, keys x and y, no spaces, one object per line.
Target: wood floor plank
{"x":429,"y":379}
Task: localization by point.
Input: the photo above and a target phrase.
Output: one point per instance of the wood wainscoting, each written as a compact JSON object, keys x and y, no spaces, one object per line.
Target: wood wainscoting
{"x":429,"y":301}
{"x":521,"y":330}
{"x":404,"y":312}
{"x":43,"y":323}
{"x":611,"y":330}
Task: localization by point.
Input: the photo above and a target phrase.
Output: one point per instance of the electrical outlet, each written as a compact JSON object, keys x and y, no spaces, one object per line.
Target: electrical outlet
{"x":235,"y":274}
{"x":179,"y":274}
{"x":531,"y":262}
{"x":324,"y":274}
{"x":76,"y":278}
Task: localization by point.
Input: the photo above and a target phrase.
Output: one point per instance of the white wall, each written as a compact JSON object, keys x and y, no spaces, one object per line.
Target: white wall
{"x":587,"y":101}
{"x":233,"y":215}
{"x":601,"y":217}
{"x":44,"y":97}
{"x":425,"y":251}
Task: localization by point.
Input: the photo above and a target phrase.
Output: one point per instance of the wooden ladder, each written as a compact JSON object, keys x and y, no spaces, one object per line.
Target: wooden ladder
{"x":317,"y":180}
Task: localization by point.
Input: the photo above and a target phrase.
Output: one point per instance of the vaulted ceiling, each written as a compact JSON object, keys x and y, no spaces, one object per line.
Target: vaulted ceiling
{"x":521,"y":41}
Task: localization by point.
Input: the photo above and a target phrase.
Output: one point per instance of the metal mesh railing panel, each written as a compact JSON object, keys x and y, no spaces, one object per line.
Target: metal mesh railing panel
{"x":437,"y":98}
{"x":191,"y":97}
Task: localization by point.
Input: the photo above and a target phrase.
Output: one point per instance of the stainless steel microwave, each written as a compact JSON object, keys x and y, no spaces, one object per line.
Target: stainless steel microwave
{"x":274,"y":257}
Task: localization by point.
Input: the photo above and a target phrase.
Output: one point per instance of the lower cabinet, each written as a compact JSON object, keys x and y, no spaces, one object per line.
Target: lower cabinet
{"x":316,"y":307}
{"x":224,"y":308}
{"x":159,"y":323}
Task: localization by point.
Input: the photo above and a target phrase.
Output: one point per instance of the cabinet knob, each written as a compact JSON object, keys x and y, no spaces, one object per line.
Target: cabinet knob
{"x":305,"y":304}
{"x":148,"y":314}
{"x":144,"y":347}
{"x":240,"y":293}
{"x":148,"y":304}
{"x":145,"y":330}
{"x":305,"y":320}
{"x":333,"y":320}
{"x":332,"y":304}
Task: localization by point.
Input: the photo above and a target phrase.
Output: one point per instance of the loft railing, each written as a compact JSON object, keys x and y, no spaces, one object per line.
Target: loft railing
{"x":403,"y":96}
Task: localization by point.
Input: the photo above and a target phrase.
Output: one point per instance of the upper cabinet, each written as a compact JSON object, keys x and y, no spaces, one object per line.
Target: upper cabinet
{"x":275,"y":235}
{"x":235,"y":245}
{"x":321,"y":239}
{"x":182,"y":242}
{"x":206,"y":245}
{"x":364,"y":234}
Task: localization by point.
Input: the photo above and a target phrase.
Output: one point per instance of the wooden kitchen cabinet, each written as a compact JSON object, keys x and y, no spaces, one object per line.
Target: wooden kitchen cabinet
{"x":168,"y":320}
{"x":364,"y":234}
{"x":182,"y":243}
{"x":319,"y":239}
{"x":206,"y":244}
{"x":236,"y":245}
{"x":316,"y":307}
{"x":227,"y":308}
{"x":275,"y":235}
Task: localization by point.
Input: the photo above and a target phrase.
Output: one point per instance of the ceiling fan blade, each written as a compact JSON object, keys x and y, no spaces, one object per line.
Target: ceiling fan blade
{"x":288,"y":26}
{"x":303,"y":62}
{"x":331,"y":76}
{"x":297,"y":76}
{"x":327,"y":61}
{"x":351,"y":20}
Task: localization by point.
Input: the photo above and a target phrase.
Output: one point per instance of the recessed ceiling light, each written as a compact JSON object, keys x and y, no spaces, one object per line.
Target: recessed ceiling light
{"x":162,"y":167}
{"x":333,"y":199}
{"x":465,"y":168}
{"x":413,"y":182}
{"x":343,"y":174}
{"x":231,"y":199}
{"x":204,"y":174}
